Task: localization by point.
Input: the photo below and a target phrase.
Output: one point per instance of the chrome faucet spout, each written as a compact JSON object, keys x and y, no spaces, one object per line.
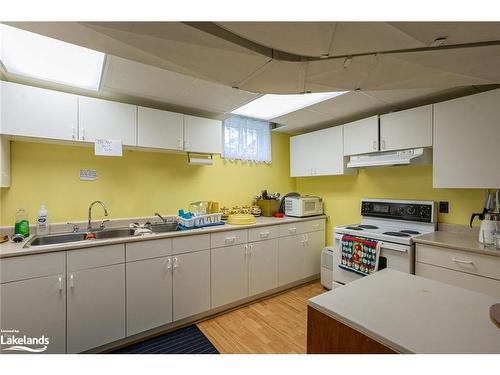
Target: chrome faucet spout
{"x":161,"y":217}
{"x":89,"y":224}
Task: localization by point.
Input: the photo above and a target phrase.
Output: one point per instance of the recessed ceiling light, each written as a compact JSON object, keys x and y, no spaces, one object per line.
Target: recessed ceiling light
{"x":270,"y":106}
{"x":32,"y":55}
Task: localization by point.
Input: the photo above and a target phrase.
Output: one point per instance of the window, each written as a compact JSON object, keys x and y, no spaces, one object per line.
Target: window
{"x":247,"y":139}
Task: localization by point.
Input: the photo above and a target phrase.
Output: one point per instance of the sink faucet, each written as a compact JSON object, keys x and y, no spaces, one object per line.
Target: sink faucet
{"x":161,"y":217}
{"x":89,"y":226}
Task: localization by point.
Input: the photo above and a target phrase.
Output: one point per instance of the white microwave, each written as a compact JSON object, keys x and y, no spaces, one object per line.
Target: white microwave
{"x":303,"y":206}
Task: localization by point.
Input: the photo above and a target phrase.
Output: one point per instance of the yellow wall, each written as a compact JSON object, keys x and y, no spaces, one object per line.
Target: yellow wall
{"x":342,"y":194}
{"x":137,"y":184}
{"x":141,"y":183}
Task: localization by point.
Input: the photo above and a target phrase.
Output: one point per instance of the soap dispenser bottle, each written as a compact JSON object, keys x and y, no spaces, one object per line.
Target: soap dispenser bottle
{"x":22,"y":225}
{"x":42,"y":221}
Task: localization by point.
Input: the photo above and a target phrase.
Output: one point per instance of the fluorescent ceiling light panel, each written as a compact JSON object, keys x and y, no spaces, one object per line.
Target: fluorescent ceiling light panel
{"x":32,"y":55}
{"x":270,"y":106}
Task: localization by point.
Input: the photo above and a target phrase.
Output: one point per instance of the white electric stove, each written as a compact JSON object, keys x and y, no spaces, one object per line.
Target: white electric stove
{"x":394,"y":223}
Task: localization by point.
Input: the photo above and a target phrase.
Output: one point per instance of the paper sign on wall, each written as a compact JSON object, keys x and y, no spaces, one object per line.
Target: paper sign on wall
{"x":88,"y":174}
{"x":108,"y":147}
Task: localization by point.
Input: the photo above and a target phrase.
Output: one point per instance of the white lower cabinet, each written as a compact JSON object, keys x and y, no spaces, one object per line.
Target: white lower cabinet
{"x":290,"y":254}
{"x":262,"y":266}
{"x":191,"y":284}
{"x":229,"y":272}
{"x":299,"y":256}
{"x":36,"y":307}
{"x":314,"y":242}
{"x":95,"y":307}
{"x":149,"y":294}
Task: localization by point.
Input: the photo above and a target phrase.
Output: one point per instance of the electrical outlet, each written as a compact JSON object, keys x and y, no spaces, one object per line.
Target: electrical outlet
{"x":443,"y":207}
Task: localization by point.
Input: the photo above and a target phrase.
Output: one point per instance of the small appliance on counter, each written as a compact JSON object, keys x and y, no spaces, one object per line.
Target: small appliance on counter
{"x":303,"y":206}
{"x":490,"y":219}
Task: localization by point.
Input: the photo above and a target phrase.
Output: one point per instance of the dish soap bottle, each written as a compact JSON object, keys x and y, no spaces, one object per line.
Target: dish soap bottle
{"x":22,"y":226}
{"x":42,"y":221}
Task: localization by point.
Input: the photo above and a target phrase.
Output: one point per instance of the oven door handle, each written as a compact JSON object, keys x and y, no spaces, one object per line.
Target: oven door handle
{"x":393,"y":247}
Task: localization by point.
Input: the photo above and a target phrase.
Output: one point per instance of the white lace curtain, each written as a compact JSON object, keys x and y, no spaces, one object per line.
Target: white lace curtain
{"x":247,"y":139}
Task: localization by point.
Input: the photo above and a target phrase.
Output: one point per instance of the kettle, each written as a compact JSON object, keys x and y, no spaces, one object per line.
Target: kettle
{"x":490,"y":219}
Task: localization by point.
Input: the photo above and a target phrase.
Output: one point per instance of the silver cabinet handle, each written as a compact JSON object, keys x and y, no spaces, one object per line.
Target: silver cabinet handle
{"x":230,"y":239}
{"x":264,"y":234}
{"x":292,"y":230}
{"x":71,"y":281}
{"x":60,"y":284}
{"x":251,"y":249}
{"x":169,"y":263}
{"x":246,"y":251}
{"x":374,"y":145}
{"x":179,"y":144}
{"x":462,"y":261}
{"x":186,"y":145}
{"x":315,"y":226}
{"x":73,"y":135}
{"x":176,"y":262}
{"x":382,"y":145}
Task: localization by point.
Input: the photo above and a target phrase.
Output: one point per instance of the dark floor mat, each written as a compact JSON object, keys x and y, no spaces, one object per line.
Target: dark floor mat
{"x":187,"y":340}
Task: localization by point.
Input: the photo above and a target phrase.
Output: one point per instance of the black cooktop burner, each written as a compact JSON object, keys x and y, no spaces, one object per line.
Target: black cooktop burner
{"x":397,"y":234}
{"x":354,"y":228}
{"x":368,"y":226}
{"x":409,"y":231}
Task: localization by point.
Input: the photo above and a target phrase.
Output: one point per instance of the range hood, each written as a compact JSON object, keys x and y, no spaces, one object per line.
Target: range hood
{"x":414,"y":156}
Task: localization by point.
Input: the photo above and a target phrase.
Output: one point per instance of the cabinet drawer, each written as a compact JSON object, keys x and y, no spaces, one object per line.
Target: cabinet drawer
{"x":463,"y":280}
{"x":229,"y":238}
{"x":482,"y":265}
{"x":148,"y":249}
{"x":189,"y":244}
{"x":314,"y":225}
{"x":95,"y":257}
{"x":263,"y":233}
{"x":30,"y":266}
{"x":292,"y":229}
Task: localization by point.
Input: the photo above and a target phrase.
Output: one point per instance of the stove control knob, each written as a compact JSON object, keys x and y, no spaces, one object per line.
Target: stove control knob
{"x":401,"y":210}
{"x":411,"y":210}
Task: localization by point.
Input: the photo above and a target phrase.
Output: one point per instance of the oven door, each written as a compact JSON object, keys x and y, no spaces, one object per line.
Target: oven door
{"x":394,"y":256}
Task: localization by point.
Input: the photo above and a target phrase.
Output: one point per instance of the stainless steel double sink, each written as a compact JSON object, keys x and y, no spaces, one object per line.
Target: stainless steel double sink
{"x":60,"y":238}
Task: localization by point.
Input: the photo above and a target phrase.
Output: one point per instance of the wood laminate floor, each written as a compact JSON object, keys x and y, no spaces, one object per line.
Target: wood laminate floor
{"x":275,"y":325}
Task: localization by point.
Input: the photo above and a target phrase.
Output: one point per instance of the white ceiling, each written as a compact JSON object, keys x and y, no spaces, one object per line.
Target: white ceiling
{"x":178,"y":66}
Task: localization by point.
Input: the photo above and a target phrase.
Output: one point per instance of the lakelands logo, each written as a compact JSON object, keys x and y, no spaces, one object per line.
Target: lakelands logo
{"x":12,"y":340}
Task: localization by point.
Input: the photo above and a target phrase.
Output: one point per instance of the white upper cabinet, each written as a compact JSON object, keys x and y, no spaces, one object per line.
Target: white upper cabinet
{"x":411,"y":128}
{"x":4,"y":162}
{"x":361,"y":137}
{"x":467,"y":142}
{"x":159,"y":129}
{"x":33,"y":112}
{"x":202,"y":135}
{"x":105,"y":119}
{"x":319,"y":153}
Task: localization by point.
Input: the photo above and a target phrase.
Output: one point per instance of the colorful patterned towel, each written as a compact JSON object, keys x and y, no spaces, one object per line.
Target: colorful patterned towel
{"x":359,"y":255}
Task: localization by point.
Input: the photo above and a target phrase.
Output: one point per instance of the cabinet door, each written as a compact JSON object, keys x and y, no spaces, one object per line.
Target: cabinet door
{"x":290,"y":257}
{"x":263,"y":266}
{"x":149,"y":294}
{"x":105,"y":119}
{"x":229,"y":272}
{"x":4,"y":162}
{"x":96,"y":307}
{"x":406,"y":129}
{"x":314,"y":243}
{"x":327,"y":150}
{"x":202,"y":135}
{"x":36,"y":307}
{"x":466,"y":142}
{"x":300,"y":157}
{"x":191,"y":284}
{"x":33,"y":112}
{"x":361,"y":137}
{"x":159,"y":129}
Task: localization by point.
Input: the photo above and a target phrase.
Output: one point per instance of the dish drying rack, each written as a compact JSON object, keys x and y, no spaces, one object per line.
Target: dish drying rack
{"x":201,"y":221}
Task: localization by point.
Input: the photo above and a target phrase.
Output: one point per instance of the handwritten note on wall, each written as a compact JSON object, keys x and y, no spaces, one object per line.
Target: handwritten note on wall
{"x":108,"y":147}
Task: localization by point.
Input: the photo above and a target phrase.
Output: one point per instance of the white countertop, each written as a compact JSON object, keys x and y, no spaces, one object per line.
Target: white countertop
{"x":11,"y":249}
{"x":411,"y":314}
